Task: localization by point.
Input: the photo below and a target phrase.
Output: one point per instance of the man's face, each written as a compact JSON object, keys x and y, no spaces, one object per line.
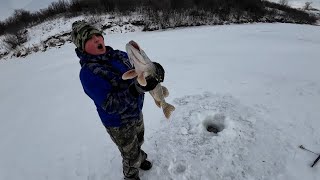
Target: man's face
{"x":95,"y":45}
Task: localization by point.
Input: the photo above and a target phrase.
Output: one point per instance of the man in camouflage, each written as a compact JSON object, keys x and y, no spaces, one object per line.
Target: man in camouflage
{"x":119,"y":102}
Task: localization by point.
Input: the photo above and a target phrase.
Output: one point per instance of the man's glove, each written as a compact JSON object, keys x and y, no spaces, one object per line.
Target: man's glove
{"x":152,"y":81}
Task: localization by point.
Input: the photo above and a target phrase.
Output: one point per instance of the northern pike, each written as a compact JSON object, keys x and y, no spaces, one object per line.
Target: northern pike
{"x":143,"y":67}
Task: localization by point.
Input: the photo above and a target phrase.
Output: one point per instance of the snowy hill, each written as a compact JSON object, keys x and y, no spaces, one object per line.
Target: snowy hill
{"x":259,"y":83}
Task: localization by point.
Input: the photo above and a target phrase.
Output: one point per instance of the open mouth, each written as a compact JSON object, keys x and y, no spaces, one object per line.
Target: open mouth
{"x":136,"y":46}
{"x":100,"y":46}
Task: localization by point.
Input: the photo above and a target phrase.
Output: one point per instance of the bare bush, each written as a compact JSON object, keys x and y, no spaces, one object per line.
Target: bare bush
{"x":284,"y":2}
{"x":307,"y":6}
{"x":289,"y":14}
{"x":17,"y":21}
{"x":12,"y":41}
{"x":95,"y":6}
{"x":75,"y":6}
{"x":35,"y":48}
{"x":2,"y":28}
{"x":96,"y":21}
{"x":59,"y":7}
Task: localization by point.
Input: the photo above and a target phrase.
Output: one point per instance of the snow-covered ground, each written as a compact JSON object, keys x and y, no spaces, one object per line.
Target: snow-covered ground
{"x":259,"y":83}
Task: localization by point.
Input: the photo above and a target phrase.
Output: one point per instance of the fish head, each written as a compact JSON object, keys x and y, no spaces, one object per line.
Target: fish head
{"x":139,"y":59}
{"x":134,"y":53}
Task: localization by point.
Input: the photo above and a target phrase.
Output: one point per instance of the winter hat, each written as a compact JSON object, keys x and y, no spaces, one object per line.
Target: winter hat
{"x":81,"y":32}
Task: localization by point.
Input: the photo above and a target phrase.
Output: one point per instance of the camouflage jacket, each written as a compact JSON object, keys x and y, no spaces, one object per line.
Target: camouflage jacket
{"x":101,"y":80}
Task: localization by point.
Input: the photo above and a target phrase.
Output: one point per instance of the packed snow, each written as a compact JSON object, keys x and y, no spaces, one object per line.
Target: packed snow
{"x":257,"y":84}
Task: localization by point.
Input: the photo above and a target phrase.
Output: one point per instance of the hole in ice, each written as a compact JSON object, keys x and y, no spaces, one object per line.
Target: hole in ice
{"x":213,"y":128}
{"x":214,"y":124}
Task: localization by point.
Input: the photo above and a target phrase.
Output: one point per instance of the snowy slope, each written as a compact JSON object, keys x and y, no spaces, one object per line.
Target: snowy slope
{"x":259,"y":83}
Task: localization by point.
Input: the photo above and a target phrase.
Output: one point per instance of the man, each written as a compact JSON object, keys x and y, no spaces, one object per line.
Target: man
{"x":119,"y":102}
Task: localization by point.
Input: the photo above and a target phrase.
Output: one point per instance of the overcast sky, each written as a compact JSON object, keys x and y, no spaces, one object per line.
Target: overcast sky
{"x":7,"y":6}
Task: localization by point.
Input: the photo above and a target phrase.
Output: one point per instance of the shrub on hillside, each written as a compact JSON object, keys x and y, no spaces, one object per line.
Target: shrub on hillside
{"x":284,"y":2}
{"x":19,"y":20}
{"x":2,"y":28}
{"x":94,"y":6}
{"x":58,"y":7}
{"x":291,"y":14}
{"x":96,"y":21}
{"x":12,"y":41}
{"x":307,"y":6}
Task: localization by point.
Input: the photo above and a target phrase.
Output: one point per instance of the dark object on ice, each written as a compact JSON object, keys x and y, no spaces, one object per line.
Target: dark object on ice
{"x":146,"y":165}
{"x":302,"y":147}
{"x":315,"y":162}
{"x":213,"y":129}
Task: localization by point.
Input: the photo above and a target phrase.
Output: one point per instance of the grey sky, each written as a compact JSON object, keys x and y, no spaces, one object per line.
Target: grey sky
{"x":7,"y":6}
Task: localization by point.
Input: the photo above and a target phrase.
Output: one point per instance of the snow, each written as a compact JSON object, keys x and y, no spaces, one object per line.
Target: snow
{"x":47,"y":29}
{"x":258,"y":83}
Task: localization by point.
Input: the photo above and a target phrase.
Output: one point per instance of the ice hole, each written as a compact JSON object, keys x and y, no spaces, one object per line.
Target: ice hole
{"x":215,"y":124}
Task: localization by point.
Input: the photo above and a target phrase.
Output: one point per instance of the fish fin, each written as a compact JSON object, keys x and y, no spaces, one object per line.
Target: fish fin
{"x":142,"y":80}
{"x":165,"y":91}
{"x":158,"y":103}
{"x":167,"y":110}
{"x":129,"y":74}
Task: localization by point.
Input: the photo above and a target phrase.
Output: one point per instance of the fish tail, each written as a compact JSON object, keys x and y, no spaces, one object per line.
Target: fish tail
{"x":167,"y":110}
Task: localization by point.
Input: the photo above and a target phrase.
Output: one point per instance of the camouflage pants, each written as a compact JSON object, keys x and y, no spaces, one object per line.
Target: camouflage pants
{"x":129,"y":140}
